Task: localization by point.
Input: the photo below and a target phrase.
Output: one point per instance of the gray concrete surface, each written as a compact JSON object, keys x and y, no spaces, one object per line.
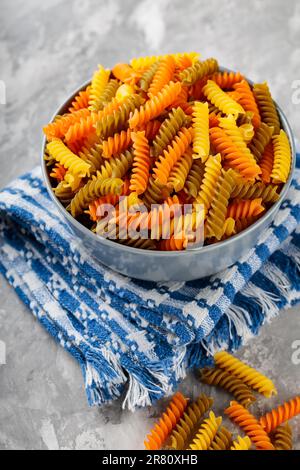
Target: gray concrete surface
{"x":46,"y":49}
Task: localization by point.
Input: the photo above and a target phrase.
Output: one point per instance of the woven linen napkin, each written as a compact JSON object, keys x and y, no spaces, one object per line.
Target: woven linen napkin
{"x":136,"y":339}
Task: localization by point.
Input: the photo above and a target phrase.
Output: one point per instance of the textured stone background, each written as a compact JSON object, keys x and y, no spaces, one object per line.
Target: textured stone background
{"x":46,"y":50}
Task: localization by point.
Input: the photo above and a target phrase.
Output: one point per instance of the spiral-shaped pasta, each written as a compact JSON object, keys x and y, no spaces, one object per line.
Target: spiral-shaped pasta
{"x":116,"y":167}
{"x":261,"y":139}
{"x":282,"y":158}
{"x":206,"y":433}
{"x":282,"y":437}
{"x":212,"y":172}
{"x":147,"y":76}
{"x":115,"y":122}
{"x":188,"y":424}
{"x":232,"y":131}
{"x":198,"y":71}
{"x":241,"y":224}
{"x":220,"y":99}
{"x":93,"y":189}
{"x":241,"y":416}
{"x":217,"y":213}
{"x":250,"y":376}
{"x":234,"y":385}
{"x":58,"y":150}
{"x":201,"y":142}
{"x":266,"y":163}
{"x":279,"y":415}
{"x":268,"y":193}
{"x":161,"y":431}
{"x":141,"y":163}
{"x":194,"y":178}
{"x":116,"y":144}
{"x":162,"y":76}
{"x":227,"y":80}
{"x":169,"y":128}
{"x":81,"y":100}
{"x":234,"y":157}
{"x":247,"y":101}
{"x":178,"y":147}
{"x":241,"y":443}
{"x":92,"y":154}
{"x":245,"y":208}
{"x":61,"y":124}
{"x":180,"y":171}
{"x":153,"y":107}
{"x":222,"y":440}
{"x":108,"y":93}
{"x":99,"y":82}
{"x":266,"y":106}
{"x":95,"y":205}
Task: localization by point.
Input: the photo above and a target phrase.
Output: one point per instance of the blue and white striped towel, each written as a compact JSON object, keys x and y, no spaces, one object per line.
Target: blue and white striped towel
{"x":131,"y":338}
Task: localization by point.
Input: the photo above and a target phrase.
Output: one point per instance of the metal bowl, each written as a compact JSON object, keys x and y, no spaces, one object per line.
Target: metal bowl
{"x":165,"y":266}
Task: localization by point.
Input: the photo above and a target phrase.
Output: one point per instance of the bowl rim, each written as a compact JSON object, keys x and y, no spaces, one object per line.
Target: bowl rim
{"x":203,"y":249}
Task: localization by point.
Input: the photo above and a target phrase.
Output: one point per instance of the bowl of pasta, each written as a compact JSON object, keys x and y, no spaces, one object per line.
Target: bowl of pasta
{"x":169,"y":167}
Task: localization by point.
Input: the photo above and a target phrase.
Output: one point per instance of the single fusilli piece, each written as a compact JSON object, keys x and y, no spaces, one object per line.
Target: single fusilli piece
{"x":218,"y":210}
{"x":279,"y":415}
{"x":162,"y":76}
{"x":180,"y":171}
{"x":166,"y":162}
{"x":58,"y":150}
{"x":282,"y":438}
{"x":92,"y":154}
{"x":116,"y":167}
{"x":116,"y":144}
{"x":189,"y":423}
{"x":261,"y":139}
{"x":58,"y":172}
{"x":212,"y":172}
{"x":241,"y":416}
{"x":233,"y":156}
{"x":247,"y":100}
{"x":58,"y":128}
{"x":92,"y":190}
{"x":198,"y":70}
{"x":99,"y":82}
{"x":161,"y":431}
{"x":206,"y":433}
{"x":141,"y":162}
{"x":232,"y":384}
{"x":282,"y":158}
{"x":250,"y":376}
{"x":80,"y":101}
{"x":107,"y":94}
{"x":169,"y":128}
{"x":232,"y":131}
{"x":241,"y":443}
{"x":220,"y":99}
{"x":266,"y":106}
{"x":227,"y":80}
{"x":268,"y":193}
{"x":155,"y":192}
{"x":245,"y":208}
{"x":118,"y":120}
{"x":153,"y":107}
{"x":201,"y":142}
{"x":266,"y":163}
{"x":147,"y":76}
